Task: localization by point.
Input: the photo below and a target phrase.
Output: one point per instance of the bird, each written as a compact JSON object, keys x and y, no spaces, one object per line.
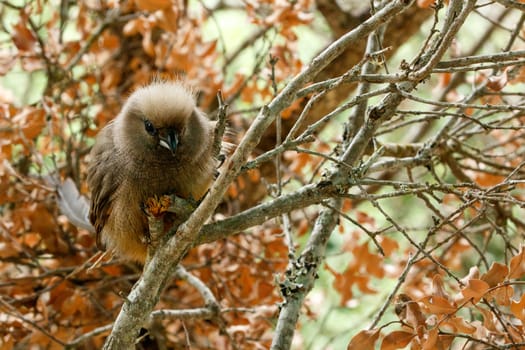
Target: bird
{"x":160,"y":143}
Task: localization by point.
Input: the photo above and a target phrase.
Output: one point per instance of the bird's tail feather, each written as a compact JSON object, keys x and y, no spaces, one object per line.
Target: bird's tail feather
{"x":73,"y":205}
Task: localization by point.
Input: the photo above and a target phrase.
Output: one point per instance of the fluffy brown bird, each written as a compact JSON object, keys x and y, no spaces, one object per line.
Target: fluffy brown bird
{"x":158,"y":144}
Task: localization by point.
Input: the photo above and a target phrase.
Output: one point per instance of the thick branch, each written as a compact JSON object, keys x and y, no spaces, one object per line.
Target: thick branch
{"x":302,"y":198}
{"x":210,"y":311}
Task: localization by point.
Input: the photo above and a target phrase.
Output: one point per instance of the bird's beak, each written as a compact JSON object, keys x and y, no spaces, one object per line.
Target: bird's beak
{"x":169,"y":140}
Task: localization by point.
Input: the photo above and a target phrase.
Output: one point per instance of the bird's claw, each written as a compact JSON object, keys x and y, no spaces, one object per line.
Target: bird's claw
{"x":156,"y":206}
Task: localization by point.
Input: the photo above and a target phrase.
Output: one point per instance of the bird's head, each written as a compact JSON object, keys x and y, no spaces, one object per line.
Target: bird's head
{"x":154,"y":120}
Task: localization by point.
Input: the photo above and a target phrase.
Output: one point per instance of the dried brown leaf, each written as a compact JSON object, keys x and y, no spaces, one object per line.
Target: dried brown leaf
{"x":518,"y":308}
{"x":396,"y":340}
{"x":439,"y":305}
{"x":475,"y":290}
{"x":496,"y":274}
{"x":23,"y":38}
{"x":364,"y":340}
{"x":517,"y":265}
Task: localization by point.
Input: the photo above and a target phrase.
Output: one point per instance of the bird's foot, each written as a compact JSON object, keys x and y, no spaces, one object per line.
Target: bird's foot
{"x":156,"y":206}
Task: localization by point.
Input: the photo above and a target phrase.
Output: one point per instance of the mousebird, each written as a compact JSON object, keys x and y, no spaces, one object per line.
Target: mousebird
{"x":159,"y":143}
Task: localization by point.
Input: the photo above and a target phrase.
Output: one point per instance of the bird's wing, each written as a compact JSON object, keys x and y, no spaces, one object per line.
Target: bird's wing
{"x":102,"y":180}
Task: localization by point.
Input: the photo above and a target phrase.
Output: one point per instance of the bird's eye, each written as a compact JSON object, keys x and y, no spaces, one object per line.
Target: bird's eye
{"x":150,"y":128}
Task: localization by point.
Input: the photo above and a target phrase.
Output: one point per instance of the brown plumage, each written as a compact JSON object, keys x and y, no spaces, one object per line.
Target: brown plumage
{"x":158,"y":144}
